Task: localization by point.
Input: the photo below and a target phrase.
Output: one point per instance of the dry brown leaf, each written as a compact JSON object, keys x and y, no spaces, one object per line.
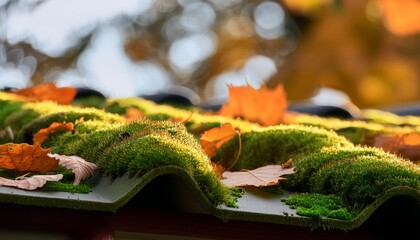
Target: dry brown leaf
{"x":25,"y":157}
{"x":265,"y":106}
{"x":30,"y":183}
{"x":49,"y":92}
{"x":81,"y":168}
{"x":260,"y":177}
{"x":214,"y":138}
{"x":43,"y":133}
{"x":406,"y":145}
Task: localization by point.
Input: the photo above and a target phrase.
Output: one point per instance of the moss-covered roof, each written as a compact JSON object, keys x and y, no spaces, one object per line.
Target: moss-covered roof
{"x":130,"y":155}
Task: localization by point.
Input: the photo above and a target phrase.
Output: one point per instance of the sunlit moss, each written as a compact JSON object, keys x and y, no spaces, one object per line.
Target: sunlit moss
{"x":358,"y":130}
{"x":357,"y":174}
{"x":118,"y":147}
{"x":383,"y":117}
{"x":318,"y":205}
{"x":275,"y":145}
{"x":193,"y":116}
{"x":322,"y":149}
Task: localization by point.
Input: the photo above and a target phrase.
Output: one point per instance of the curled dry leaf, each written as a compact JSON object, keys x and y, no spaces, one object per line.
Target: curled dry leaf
{"x":214,"y":138}
{"x":49,"y":92}
{"x":260,"y":177}
{"x":25,"y":157}
{"x":265,"y":106}
{"x":43,"y":133}
{"x":81,"y":168}
{"x":30,"y":183}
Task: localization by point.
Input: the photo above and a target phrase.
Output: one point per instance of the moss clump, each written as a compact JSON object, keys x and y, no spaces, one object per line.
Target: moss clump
{"x":318,"y":206}
{"x":357,"y":174}
{"x":118,"y":147}
{"x":139,"y":147}
{"x":326,"y":162}
{"x":275,"y":145}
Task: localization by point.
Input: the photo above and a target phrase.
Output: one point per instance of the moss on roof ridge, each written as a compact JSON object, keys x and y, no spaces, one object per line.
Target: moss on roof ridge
{"x":114,"y":137}
{"x":127,"y":147}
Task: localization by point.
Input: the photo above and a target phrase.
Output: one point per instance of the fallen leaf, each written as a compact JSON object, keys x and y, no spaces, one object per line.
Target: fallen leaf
{"x":43,"y":133}
{"x":260,"y":177}
{"x":25,"y":157}
{"x":264,"y":106}
{"x":132,"y":114}
{"x":81,"y":168}
{"x":49,"y":92}
{"x":401,"y":17}
{"x":30,"y":183}
{"x":214,"y":138}
{"x":406,"y":145}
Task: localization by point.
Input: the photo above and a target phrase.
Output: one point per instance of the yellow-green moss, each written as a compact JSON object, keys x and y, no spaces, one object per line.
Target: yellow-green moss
{"x":357,"y":174}
{"x":388,"y":118}
{"x":326,"y":162}
{"x":275,"y":145}
{"x":117,"y":147}
{"x":357,"y":131}
{"x":197,"y":118}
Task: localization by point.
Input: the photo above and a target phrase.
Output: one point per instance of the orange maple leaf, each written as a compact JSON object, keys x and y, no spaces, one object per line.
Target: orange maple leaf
{"x":25,"y":157}
{"x":43,"y":133}
{"x":49,"y":92}
{"x":214,"y":138}
{"x":265,"y":106}
{"x":401,"y":17}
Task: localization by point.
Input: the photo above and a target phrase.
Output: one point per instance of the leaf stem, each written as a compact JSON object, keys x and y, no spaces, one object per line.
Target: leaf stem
{"x":239,"y":150}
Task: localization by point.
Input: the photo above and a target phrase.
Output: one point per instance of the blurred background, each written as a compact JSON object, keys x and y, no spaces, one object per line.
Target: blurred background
{"x":369,"y":50}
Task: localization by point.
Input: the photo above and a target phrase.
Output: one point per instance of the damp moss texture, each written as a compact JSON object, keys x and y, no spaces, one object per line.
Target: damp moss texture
{"x":327,"y":154}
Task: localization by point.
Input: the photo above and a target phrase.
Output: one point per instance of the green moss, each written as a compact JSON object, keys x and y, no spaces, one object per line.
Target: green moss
{"x":65,"y":187}
{"x":360,"y":180}
{"x":356,"y":131}
{"x":275,"y":145}
{"x":142,"y":146}
{"x":357,"y":174}
{"x":195,"y":116}
{"x":318,"y":206}
{"x":326,"y":162}
{"x":388,"y":118}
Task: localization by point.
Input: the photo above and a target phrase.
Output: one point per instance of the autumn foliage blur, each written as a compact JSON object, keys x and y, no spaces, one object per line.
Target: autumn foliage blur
{"x":368,"y":49}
